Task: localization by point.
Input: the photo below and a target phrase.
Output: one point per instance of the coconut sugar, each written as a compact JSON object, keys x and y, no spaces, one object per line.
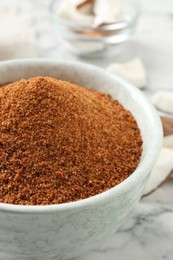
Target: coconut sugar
{"x":60,"y":142}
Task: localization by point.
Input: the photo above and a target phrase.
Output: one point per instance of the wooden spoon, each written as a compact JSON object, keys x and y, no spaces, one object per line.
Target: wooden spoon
{"x":167,"y":123}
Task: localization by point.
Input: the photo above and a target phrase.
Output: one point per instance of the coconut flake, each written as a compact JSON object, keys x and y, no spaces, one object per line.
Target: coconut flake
{"x":85,"y":7}
{"x":168,"y":142}
{"x":69,"y":11}
{"x":161,"y":171}
{"x":134,"y":71}
{"x":163,"y":100}
{"x":109,"y":11}
{"x":92,"y":12}
{"x":79,"y":2}
{"x":163,"y":168}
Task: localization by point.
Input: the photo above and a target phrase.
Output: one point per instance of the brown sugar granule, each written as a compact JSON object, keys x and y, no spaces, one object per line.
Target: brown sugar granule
{"x":60,"y":142}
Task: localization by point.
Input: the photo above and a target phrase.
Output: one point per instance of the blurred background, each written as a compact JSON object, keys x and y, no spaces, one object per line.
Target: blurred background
{"x":28,"y":29}
{"x":142,"y":30}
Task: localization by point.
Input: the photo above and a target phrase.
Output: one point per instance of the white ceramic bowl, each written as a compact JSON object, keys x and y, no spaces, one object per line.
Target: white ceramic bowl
{"x":70,"y":229}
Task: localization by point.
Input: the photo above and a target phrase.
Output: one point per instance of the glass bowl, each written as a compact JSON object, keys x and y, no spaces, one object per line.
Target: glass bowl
{"x":88,"y":41}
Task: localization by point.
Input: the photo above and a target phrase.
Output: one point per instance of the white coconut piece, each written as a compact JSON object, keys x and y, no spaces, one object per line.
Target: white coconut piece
{"x":163,"y":100}
{"x":161,"y":171}
{"x":92,"y":12}
{"x":86,"y":8}
{"x":69,"y":11}
{"x":107,"y":12}
{"x":79,"y":2}
{"x":163,"y":168}
{"x":168,"y":142}
{"x":133,"y":71}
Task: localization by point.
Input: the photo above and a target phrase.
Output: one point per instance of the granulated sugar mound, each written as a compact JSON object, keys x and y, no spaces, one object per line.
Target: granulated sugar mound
{"x":60,"y":142}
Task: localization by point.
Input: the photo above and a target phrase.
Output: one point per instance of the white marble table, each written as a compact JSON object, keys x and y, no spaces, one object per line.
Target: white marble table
{"x":148,"y":233}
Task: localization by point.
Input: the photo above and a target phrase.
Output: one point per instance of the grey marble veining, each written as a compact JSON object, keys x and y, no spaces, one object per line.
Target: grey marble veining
{"x":148,"y":233}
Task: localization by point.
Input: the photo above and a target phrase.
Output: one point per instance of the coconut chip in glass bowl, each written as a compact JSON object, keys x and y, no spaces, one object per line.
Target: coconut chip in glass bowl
{"x":92,"y":13}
